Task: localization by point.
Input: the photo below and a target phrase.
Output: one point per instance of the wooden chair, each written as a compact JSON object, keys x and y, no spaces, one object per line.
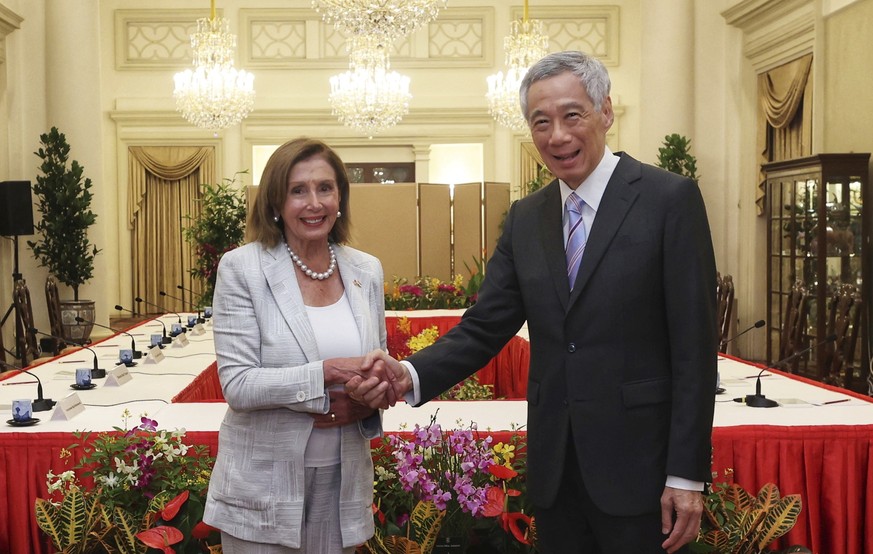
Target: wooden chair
{"x":844,"y":318}
{"x":53,"y":303}
{"x":794,"y":324}
{"x":28,"y":346}
{"x":3,"y":367}
{"x":725,"y":294}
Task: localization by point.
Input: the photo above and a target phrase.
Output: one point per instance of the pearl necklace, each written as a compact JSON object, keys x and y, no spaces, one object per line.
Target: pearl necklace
{"x":314,"y":274}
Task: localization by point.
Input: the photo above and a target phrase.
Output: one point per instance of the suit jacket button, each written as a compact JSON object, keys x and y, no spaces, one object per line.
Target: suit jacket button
{"x":571,"y":347}
{"x":301,"y":396}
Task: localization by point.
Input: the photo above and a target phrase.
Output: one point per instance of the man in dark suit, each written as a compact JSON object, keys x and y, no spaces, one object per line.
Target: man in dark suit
{"x":623,"y":360}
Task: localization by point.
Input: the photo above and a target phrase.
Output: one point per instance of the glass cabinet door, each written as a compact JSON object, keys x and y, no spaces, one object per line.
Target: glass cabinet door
{"x":816,"y":236}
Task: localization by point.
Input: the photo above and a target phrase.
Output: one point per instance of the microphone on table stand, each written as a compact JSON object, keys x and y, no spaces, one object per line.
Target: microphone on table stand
{"x":758,"y":324}
{"x":165,"y":339}
{"x":166,"y":311}
{"x":200,"y":319}
{"x":96,"y":372}
{"x":168,"y":295}
{"x":39,"y":404}
{"x":136,"y":353}
{"x":758,"y":400}
{"x":123,"y":309}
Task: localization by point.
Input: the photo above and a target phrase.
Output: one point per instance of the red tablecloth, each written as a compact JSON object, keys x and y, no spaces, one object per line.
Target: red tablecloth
{"x":507,"y":371}
{"x":831,"y":467}
{"x":204,"y":388}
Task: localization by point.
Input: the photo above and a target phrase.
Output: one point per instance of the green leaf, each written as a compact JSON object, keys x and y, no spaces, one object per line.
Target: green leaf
{"x":424,"y":524}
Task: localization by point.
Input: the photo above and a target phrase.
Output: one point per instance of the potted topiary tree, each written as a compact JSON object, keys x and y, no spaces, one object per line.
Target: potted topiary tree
{"x":675,"y":156}
{"x":64,"y":200}
{"x":218,"y":227}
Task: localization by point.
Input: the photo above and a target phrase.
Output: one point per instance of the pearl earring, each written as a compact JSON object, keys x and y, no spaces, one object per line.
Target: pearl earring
{"x":339,"y":214}
{"x":276,"y":218}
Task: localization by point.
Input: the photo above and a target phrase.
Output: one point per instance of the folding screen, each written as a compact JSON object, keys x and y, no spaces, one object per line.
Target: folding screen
{"x":496,"y":208}
{"x":384,"y":222}
{"x":468,"y":226}
{"x":435,"y":230}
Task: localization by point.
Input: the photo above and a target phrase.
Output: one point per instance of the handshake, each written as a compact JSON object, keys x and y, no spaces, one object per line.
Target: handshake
{"x":376,"y":380}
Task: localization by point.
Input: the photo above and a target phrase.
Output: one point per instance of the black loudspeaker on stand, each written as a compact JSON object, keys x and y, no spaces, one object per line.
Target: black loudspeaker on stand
{"x":16,"y":208}
{"x":16,"y":219}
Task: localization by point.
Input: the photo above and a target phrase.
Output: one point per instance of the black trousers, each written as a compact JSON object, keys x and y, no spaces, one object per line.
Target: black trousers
{"x":574,"y":525}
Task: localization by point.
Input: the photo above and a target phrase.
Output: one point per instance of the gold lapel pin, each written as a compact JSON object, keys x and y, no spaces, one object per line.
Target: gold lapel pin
{"x":356,"y":283}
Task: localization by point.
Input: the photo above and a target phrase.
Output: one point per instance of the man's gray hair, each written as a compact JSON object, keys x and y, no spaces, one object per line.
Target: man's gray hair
{"x":591,"y":72}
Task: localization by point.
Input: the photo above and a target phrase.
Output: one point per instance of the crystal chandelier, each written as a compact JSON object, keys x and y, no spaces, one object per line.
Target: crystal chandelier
{"x":369,"y":97}
{"x":526,"y":44}
{"x":390,"y":19}
{"x":214,"y":95}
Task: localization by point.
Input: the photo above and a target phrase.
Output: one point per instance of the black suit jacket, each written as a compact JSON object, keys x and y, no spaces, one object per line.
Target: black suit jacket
{"x":625,"y":365}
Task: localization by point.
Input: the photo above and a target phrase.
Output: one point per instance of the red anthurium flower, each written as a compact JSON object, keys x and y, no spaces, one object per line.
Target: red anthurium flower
{"x":202,"y":531}
{"x":173,"y":506}
{"x":519,"y":532}
{"x":502,"y":472}
{"x":513,"y":492}
{"x":161,"y":538}
{"x":494,"y":500}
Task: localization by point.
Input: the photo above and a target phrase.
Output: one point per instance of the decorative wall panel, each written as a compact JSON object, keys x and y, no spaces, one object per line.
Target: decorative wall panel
{"x":591,"y":29}
{"x":277,"y":38}
{"x":272,"y":39}
{"x":154,"y":39}
{"x":456,"y":39}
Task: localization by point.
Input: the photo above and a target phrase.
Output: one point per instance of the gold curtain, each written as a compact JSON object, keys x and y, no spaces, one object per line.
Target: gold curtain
{"x":164,"y":189}
{"x":785,"y":115}
{"x":531,"y":165}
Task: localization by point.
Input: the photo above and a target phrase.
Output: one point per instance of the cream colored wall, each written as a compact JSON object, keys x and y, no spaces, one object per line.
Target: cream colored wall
{"x":134,"y":106}
{"x":848,"y":54}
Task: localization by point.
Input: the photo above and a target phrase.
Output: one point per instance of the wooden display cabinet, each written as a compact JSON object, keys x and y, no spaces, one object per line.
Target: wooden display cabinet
{"x":819,"y":232}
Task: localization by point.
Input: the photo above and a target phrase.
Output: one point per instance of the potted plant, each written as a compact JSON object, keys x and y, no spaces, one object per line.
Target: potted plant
{"x":64,"y":200}
{"x":735,"y":522}
{"x":219,"y":227}
{"x":675,"y":156}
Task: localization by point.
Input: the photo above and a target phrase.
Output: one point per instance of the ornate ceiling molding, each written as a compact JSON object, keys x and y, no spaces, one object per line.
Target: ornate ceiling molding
{"x":9,"y":21}
{"x":774,"y":31}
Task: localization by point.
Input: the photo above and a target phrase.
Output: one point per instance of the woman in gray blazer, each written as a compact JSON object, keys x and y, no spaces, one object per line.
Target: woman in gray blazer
{"x":294,"y":312}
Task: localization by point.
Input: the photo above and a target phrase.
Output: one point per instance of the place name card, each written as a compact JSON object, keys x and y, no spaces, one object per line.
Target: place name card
{"x":118,"y":376}
{"x":181,"y":340}
{"x":155,"y":355}
{"x":198,"y":329}
{"x":68,"y":407}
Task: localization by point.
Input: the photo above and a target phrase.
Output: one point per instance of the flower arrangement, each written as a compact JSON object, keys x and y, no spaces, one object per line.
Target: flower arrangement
{"x":403,"y":343}
{"x":131,"y":490}
{"x":426,"y":293}
{"x":452,"y":483}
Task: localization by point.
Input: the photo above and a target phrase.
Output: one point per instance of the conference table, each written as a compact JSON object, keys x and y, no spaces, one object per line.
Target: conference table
{"x":817,"y":443}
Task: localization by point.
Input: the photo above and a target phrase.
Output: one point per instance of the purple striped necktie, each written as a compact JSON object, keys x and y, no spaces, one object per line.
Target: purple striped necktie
{"x":577,"y":238}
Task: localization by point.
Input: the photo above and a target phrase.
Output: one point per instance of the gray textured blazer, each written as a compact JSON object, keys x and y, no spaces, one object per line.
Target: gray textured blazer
{"x":271,"y":376}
